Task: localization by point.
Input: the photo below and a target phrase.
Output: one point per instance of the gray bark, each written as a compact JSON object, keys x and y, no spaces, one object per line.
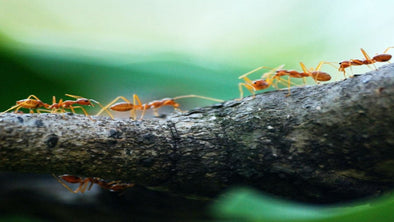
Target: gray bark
{"x":324,"y":143}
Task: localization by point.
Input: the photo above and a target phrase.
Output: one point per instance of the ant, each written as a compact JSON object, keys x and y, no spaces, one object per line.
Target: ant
{"x":384,"y":57}
{"x":32,"y":102}
{"x":87,"y":183}
{"x":69,"y":104}
{"x":317,"y":75}
{"x":259,"y":84}
{"x":137,"y":105}
{"x":268,"y":78}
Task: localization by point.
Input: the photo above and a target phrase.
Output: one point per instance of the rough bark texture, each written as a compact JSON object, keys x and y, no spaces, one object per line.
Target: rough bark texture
{"x":325,"y":143}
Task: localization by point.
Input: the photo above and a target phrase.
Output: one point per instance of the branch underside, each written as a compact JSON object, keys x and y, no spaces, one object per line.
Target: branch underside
{"x":324,"y":143}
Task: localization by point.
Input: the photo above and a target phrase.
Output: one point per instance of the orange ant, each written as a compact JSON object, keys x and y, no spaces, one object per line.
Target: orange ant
{"x":87,"y":183}
{"x":316,"y":74}
{"x":384,"y":57}
{"x":137,"y":105}
{"x":268,"y":78}
{"x":69,"y":104}
{"x":259,"y":84}
{"x":32,"y":102}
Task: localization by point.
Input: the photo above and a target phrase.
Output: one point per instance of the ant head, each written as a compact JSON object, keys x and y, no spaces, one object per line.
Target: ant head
{"x":84,"y":101}
{"x":260,"y":84}
{"x":345,"y":63}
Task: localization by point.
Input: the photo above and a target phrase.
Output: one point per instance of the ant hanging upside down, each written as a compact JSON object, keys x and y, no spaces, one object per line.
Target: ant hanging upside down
{"x":137,"y":105}
{"x":87,"y":183}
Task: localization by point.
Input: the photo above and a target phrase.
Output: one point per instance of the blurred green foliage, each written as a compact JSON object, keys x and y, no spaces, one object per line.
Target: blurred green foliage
{"x":249,"y":205}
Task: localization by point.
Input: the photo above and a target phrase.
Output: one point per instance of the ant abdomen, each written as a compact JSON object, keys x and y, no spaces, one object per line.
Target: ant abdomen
{"x":320,"y":76}
{"x":382,"y":57}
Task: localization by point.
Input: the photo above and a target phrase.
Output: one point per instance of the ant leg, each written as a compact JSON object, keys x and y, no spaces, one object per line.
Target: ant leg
{"x":303,"y":67}
{"x":385,"y":51}
{"x":248,"y":83}
{"x":319,"y":66}
{"x":35,"y":97}
{"x":101,"y":106}
{"x":111,"y":103}
{"x":365,"y":54}
{"x":73,"y":111}
{"x":64,"y":185}
{"x":84,"y":185}
{"x":271,"y":72}
{"x":155,"y":112}
{"x":91,"y":184}
{"x":72,"y":108}
{"x":75,"y":97}
{"x":248,"y":87}
{"x":305,"y":70}
{"x":136,"y":100}
{"x":250,"y":72}
{"x":368,"y":58}
{"x":13,"y":107}
{"x":43,"y":110}
{"x":57,"y":110}
{"x":16,"y":110}
{"x":81,"y":187}
{"x":287,"y":83}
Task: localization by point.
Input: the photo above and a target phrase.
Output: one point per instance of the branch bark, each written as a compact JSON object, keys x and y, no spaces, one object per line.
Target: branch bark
{"x":324,"y":143}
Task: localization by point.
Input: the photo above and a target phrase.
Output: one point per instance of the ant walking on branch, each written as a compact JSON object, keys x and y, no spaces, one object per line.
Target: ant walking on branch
{"x":259,"y":84}
{"x":384,"y":57}
{"x":315,"y":73}
{"x":61,"y":106}
{"x":87,"y":183}
{"x":137,"y":105}
{"x":32,"y":102}
{"x":267,"y":79}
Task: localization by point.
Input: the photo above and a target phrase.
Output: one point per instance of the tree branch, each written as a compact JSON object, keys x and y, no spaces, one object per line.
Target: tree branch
{"x":324,"y":143}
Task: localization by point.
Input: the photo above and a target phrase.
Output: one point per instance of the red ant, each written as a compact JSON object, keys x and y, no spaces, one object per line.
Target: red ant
{"x":384,"y":57}
{"x":315,"y":73}
{"x":268,"y":78}
{"x":259,"y":84}
{"x":137,"y":105}
{"x":69,"y":104}
{"x":87,"y":183}
{"x":32,"y":102}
